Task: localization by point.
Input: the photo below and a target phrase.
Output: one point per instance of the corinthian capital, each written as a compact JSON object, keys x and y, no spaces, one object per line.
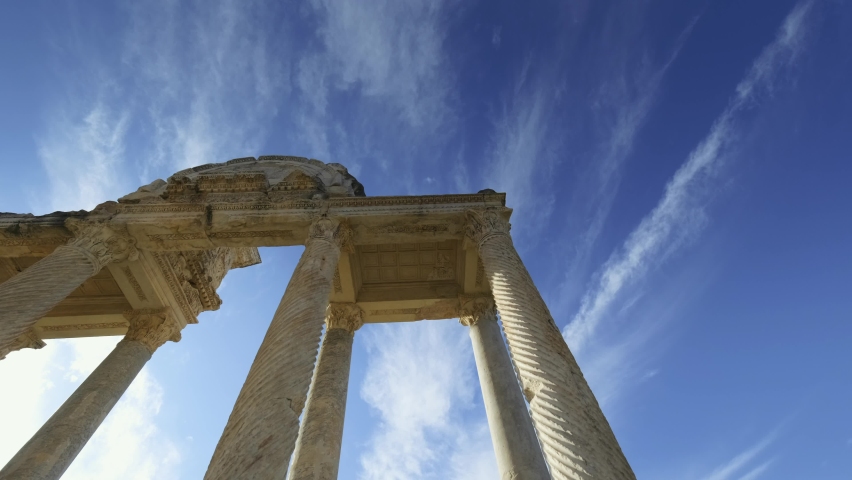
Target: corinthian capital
{"x":347,"y":316}
{"x":101,"y":242}
{"x":28,"y":339}
{"x":333,"y":231}
{"x":484,"y":224}
{"x":152,"y":327}
{"x":474,"y":309}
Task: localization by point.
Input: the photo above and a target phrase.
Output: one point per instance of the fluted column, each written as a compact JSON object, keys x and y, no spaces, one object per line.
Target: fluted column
{"x":261,"y":432}
{"x":515,"y":444}
{"x":28,"y":296}
{"x":28,"y":339}
{"x":317,"y":454}
{"x":576,"y":438}
{"x":52,"y":449}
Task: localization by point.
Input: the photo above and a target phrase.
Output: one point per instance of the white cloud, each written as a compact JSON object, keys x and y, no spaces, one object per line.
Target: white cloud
{"x":208,"y":76}
{"x":730,"y":468}
{"x":419,"y":380}
{"x":758,"y":471}
{"x":129,"y":444}
{"x":82,"y":153}
{"x":679,"y":213}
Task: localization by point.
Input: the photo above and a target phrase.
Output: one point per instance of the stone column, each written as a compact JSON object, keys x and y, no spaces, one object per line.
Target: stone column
{"x":317,"y":454}
{"x":28,"y":339}
{"x":52,"y":449}
{"x":516,"y":446}
{"x":261,"y":432}
{"x":576,"y":438}
{"x":28,"y":296}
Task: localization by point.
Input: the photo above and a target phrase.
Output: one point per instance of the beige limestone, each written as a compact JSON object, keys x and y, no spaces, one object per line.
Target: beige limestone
{"x":317,"y":454}
{"x":52,"y":449}
{"x":576,"y":438}
{"x":261,"y":432}
{"x":516,"y":446}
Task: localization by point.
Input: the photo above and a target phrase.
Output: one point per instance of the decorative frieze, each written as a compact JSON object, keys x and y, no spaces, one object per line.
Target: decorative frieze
{"x":134,"y":283}
{"x":83,"y":326}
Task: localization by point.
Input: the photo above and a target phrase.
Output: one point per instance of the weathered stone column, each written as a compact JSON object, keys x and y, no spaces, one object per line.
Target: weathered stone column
{"x":261,"y":432}
{"x":516,"y":446}
{"x":317,"y":454}
{"x":52,"y":449}
{"x":576,"y":438}
{"x":28,"y":296}
{"x":28,"y":339}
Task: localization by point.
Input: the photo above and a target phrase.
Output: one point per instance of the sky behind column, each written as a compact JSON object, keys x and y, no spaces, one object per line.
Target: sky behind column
{"x":679,"y":173}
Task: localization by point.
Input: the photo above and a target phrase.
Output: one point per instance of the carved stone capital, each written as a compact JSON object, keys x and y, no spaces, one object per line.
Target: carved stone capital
{"x":347,"y":316}
{"x":484,"y":224}
{"x":474,"y":309}
{"x":101,"y":242}
{"x":28,"y":339}
{"x":152,"y":327}
{"x":333,"y":231}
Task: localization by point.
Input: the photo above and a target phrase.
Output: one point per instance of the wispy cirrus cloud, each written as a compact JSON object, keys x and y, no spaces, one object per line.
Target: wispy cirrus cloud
{"x":387,"y":60}
{"x":82,"y":151}
{"x":420,"y":380}
{"x":734,"y":467}
{"x":679,"y":215}
{"x":207,"y":79}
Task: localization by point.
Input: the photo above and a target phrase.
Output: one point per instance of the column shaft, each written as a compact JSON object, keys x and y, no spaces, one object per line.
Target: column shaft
{"x":576,"y":438}
{"x":317,"y":454}
{"x":261,"y":432}
{"x":52,"y":449}
{"x":516,"y":446}
{"x":28,"y":296}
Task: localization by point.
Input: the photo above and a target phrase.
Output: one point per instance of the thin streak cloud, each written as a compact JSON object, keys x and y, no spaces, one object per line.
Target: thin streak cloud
{"x":679,"y":213}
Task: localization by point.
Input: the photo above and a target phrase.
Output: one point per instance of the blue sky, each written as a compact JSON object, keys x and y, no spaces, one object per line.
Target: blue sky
{"x":679,"y":172}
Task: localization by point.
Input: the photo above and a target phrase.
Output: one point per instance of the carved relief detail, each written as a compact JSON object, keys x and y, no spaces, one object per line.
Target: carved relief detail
{"x":176,"y":236}
{"x":480,"y":272}
{"x":83,"y":326}
{"x":194,"y":276}
{"x":484,"y":224}
{"x":264,"y":233}
{"x":131,"y":279}
{"x":33,"y":241}
{"x":414,"y":229}
{"x":442,"y":269}
{"x":347,"y":316}
{"x":102,"y":243}
{"x":474,"y":309}
{"x":338,"y":288}
{"x":152,"y":327}
{"x":28,"y":339}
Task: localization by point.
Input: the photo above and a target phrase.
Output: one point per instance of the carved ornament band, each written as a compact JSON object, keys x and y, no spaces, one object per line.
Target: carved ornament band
{"x":152,"y":327}
{"x":347,"y":316}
